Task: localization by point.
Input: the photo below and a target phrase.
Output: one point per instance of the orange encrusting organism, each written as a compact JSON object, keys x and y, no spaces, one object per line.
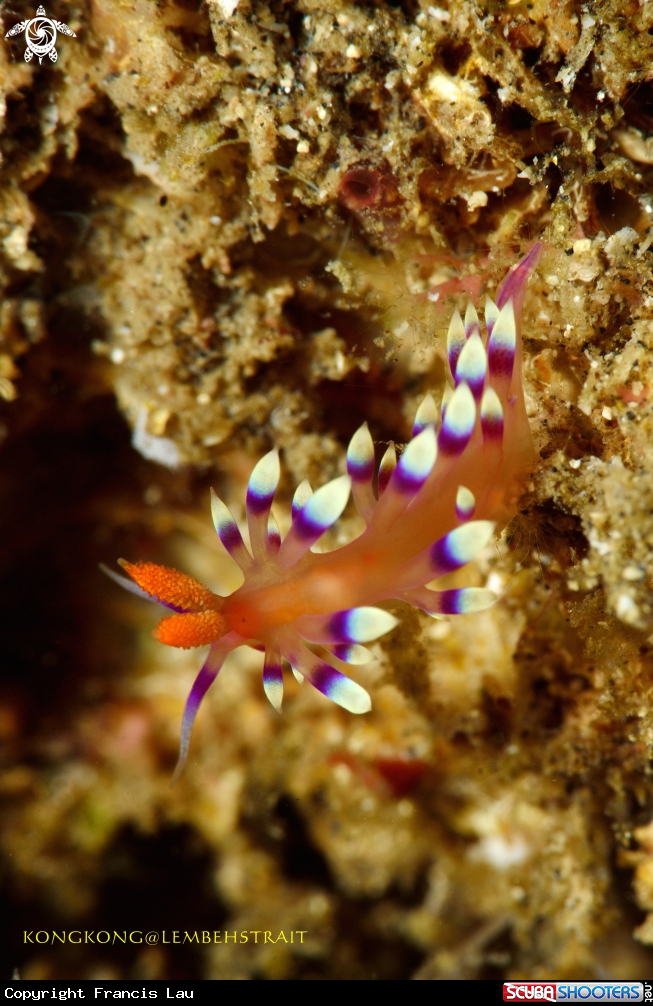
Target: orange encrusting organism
{"x":458,"y":480}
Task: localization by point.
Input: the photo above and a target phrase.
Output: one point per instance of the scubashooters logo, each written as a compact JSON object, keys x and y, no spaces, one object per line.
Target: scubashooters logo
{"x":40,"y":35}
{"x":573,"y":991}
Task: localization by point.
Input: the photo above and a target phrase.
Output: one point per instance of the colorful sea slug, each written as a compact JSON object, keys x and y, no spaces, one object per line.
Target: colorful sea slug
{"x":419,"y":526}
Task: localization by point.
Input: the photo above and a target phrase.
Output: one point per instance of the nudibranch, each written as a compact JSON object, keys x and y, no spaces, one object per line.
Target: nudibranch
{"x":435,"y":507}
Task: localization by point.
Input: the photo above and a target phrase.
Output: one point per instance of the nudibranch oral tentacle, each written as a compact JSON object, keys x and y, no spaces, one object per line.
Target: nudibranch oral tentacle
{"x":456,"y":483}
{"x":211,"y":668}
{"x":133,"y":588}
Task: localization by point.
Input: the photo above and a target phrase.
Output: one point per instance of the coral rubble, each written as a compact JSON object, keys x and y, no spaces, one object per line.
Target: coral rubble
{"x":250,"y":222}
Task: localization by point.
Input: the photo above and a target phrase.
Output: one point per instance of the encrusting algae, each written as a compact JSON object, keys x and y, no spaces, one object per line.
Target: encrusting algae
{"x":251,"y":223}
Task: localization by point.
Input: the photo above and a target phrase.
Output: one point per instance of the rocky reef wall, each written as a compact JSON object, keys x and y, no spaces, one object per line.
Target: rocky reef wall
{"x":226,"y":227}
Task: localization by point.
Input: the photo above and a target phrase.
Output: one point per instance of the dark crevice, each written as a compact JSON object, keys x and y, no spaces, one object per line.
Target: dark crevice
{"x":300,"y":858}
{"x":615,"y":208}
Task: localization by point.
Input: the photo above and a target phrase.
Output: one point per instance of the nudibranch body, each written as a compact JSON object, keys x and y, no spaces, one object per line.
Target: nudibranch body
{"x":434,"y":509}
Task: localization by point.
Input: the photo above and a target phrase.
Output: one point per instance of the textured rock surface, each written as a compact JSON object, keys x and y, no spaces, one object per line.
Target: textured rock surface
{"x":252,"y":226}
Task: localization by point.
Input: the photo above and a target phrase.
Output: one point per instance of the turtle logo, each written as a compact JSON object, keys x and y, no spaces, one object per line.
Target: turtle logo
{"x":40,"y":35}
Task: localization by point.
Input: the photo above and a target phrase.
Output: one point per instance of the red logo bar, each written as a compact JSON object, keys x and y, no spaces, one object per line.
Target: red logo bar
{"x":532,"y":991}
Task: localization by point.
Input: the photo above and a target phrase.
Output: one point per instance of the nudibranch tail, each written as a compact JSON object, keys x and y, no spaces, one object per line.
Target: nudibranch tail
{"x":457,"y":481}
{"x":513,"y":286}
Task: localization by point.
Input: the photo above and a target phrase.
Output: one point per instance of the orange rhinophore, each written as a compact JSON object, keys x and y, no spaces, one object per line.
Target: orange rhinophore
{"x":426,"y":514}
{"x":191,"y":629}
{"x":170,"y":587}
